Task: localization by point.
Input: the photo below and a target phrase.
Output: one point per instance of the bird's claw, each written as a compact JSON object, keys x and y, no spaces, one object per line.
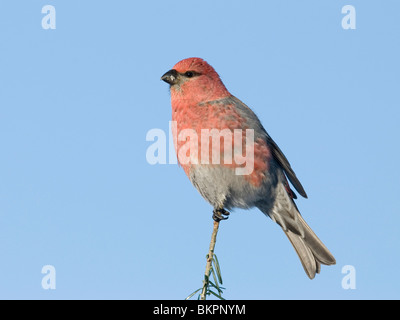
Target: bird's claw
{"x":218,"y":214}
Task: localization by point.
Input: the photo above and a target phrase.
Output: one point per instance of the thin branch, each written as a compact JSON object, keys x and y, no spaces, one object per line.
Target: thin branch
{"x":209,"y":261}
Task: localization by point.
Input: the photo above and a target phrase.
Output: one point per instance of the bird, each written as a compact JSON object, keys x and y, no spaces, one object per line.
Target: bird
{"x":202,"y":104}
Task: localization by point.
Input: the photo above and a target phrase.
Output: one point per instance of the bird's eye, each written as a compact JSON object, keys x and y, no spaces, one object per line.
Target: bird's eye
{"x":189,"y":74}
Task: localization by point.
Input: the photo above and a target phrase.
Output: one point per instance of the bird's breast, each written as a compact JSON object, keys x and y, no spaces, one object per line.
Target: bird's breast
{"x":215,"y":134}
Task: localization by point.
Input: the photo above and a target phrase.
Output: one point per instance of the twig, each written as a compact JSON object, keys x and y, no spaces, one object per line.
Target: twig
{"x":209,"y":261}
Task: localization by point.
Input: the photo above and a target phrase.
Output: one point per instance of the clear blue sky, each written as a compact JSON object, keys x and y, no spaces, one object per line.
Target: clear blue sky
{"x":76,"y":191}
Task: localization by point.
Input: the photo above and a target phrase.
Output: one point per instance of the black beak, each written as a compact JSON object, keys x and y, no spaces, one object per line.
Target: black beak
{"x":170,"y":77}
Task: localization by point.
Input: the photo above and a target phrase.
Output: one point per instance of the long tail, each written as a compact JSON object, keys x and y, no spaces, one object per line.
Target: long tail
{"x":310,"y":249}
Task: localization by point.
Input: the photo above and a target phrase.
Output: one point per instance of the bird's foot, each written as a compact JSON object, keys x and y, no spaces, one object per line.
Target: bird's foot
{"x":218,"y":214}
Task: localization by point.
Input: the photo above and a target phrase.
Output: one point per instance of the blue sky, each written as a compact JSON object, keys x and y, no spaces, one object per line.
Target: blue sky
{"x":76,"y":103}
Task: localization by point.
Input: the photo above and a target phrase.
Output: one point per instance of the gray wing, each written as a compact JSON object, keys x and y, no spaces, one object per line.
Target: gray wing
{"x":278,"y":155}
{"x":284,"y":163}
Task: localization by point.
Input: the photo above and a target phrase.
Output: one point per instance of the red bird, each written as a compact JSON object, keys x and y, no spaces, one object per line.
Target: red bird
{"x":206,"y":114}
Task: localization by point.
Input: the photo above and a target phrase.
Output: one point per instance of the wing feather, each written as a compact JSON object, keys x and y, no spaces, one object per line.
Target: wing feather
{"x":284,"y":163}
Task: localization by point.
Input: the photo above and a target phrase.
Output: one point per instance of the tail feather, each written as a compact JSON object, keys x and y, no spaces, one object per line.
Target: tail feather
{"x":310,"y":249}
{"x":320,"y":251}
{"x":310,"y":264}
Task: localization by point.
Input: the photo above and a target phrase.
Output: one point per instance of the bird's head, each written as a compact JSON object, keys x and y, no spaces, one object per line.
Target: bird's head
{"x":194,"y":79}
